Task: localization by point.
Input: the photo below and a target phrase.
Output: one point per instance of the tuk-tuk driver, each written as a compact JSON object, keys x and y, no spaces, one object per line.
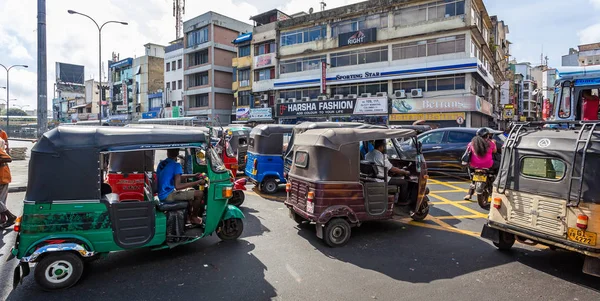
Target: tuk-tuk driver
{"x":171,"y":188}
{"x":377,"y":156}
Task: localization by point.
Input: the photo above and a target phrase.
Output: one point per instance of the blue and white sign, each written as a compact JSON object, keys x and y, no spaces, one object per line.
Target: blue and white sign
{"x":588,"y":82}
{"x":149,"y":115}
{"x":121,"y":63}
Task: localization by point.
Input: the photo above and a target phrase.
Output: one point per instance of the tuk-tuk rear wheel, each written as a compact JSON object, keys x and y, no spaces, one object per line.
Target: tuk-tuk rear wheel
{"x":269,"y":186}
{"x":230,"y":229}
{"x":422,"y":213}
{"x":58,"y":271}
{"x":507,"y":240}
{"x":238,"y":198}
{"x":337,"y":232}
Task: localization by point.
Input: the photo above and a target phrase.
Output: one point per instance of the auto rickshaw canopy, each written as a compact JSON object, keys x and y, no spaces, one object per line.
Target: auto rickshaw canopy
{"x":65,"y":162}
{"x":268,"y":139}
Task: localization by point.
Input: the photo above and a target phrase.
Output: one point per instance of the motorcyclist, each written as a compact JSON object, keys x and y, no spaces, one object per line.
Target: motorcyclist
{"x":482,"y":148}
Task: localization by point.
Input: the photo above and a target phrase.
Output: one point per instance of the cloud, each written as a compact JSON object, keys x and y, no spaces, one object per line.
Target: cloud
{"x":595,"y":3}
{"x":590,"y":34}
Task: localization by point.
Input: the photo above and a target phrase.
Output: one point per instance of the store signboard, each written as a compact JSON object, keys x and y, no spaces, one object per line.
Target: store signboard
{"x":242,"y":113}
{"x":357,"y":37}
{"x":314,"y":108}
{"x":441,"y":105}
{"x":371,"y":106}
{"x":427,"y":116}
{"x":261,"y":114}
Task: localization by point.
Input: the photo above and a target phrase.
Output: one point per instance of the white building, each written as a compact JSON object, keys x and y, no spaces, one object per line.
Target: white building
{"x":173,"y":74}
{"x":434,"y":56}
{"x":528,"y":106}
{"x":585,"y":55}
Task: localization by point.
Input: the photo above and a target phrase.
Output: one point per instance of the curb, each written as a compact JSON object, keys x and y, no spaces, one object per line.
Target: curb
{"x":16,"y":189}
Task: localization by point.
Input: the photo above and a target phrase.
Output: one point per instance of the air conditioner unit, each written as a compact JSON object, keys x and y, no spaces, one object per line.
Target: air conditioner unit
{"x":416,"y":93}
{"x":338,"y":96}
{"x":365,"y":95}
{"x":481,"y":91}
{"x":305,"y":98}
{"x":281,"y":100}
{"x":400,"y":94}
{"x":264,"y":97}
{"x":351,"y":96}
{"x":291,"y":100}
{"x":381,"y":94}
{"x":321,"y":97}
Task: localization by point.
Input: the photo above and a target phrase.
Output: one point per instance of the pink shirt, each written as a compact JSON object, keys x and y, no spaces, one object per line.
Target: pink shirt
{"x":483,"y":162}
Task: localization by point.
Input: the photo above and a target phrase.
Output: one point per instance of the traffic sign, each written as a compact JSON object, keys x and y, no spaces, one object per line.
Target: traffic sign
{"x":460,"y":120}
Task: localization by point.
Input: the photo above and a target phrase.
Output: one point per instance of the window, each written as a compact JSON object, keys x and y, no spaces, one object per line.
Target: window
{"x":173,"y":65}
{"x":243,"y":98}
{"x":434,"y":83}
{"x":173,"y":85}
{"x":301,"y":159}
{"x":526,"y":95}
{"x":428,"y":12}
{"x":565,"y":100}
{"x":357,"y":57}
{"x":459,"y":137}
{"x":198,"y":100}
{"x":179,"y":63}
{"x":234,"y":75}
{"x":244,"y":51}
{"x":264,"y":48}
{"x":312,"y":93}
{"x":543,"y":168}
{"x":432,"y":138}
{"x":244,"y":78}
{"x":198,"y":58}
{"x":264,"y":74}
{"x":431,"y":47}
{"x":168,"y":86}
{"x":179,"y":84}
{"x":358,"y":89}
{"x":197,"y":37}
{"x":409,"y":84}
{"x":303,"y":35}
{"x":301,"y":64}
{"x":198,"y":79}
{"x":525,"y":86}
{"x":372,"y":21}
{"x":168,"y":67}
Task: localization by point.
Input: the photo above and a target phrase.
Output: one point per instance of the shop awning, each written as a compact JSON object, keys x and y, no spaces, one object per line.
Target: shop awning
{"x":245,"y":37}
{"x":82,"y":106}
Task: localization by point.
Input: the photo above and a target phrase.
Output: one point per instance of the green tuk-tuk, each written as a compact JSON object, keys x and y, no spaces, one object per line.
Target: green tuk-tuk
{"x":92,"y":191}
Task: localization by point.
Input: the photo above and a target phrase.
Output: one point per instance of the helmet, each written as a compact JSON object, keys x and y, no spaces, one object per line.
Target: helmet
{"x":483,"y":132}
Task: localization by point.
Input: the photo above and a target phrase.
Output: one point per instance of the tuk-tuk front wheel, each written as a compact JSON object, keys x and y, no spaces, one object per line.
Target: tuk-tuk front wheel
{"x":269,"y":185}
{"x":58,"y":271}
{"x":422,"y":213}
{"x":238,"y":198}
{"x":230,"y":229}
{"x":337,"y":232}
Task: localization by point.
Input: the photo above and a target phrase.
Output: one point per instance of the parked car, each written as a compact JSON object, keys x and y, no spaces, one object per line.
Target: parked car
{"x":444,"y":147}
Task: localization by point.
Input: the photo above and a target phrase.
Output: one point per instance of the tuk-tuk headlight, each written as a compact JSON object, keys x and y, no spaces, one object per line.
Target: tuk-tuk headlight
{"x":227,"y":192}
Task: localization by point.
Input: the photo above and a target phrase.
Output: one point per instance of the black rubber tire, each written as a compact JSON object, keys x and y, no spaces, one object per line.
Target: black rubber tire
{"x":337,"y":232}
{"x":423,"y":211}
{"x":297,"y":218}
{"x":231,"y":229}
{"x":483,"y":200}
{"x":507,"y":240}
{"x":270,"y":186}
{"x":238,"y":198}
{"x":49,"y":266}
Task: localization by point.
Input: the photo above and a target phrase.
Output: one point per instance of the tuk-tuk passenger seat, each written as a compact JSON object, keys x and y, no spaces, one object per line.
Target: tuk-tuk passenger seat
{"x":368,"y":171}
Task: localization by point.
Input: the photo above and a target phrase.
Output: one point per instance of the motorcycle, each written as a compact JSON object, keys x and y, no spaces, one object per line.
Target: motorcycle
{"x":239,"y":186}
{"x":482,"y":183}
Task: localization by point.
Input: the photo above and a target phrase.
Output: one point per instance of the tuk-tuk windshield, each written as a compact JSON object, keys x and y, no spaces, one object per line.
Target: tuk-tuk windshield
{"x":217,"y":164}
{"x":406,"y":149}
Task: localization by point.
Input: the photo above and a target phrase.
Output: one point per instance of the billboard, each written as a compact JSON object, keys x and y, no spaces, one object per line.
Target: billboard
{"x":69,"y":73}
{"x":357,"y":37}
{"x":441,"y":105}
{"x":360,"y":106}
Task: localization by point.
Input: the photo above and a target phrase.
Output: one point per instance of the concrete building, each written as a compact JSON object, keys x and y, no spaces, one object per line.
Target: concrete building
{"x":148,"y":79}
{"x":433,"y":59}
{"x":208,"y":74}
{"x":121,"y":88}
{"x":173,"y":75}
{"x":526,"y":84}
{"x":92,"y":100}
{"x":255,"y":68}
{"x":585,"y":55}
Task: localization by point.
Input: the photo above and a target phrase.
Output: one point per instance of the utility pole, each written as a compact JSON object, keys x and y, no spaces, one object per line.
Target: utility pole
{"x":42,"y":88}
{"x":178,"y":12}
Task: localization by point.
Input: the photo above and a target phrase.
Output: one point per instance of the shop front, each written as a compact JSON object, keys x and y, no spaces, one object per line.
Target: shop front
{"x":371,"y":110}
{"x":469,"y":111}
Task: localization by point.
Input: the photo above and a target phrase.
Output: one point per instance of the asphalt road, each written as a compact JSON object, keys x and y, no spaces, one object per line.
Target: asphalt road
{"x":440,"y":259}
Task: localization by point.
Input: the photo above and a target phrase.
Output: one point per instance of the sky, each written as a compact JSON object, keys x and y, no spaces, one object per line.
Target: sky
{"x":551,"y":26}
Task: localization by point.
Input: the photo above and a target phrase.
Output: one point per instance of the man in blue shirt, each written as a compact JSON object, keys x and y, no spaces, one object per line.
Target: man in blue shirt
{"x":171,"y":189}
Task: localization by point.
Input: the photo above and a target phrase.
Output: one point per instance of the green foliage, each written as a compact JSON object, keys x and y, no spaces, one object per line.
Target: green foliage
{"x":14,"y":112}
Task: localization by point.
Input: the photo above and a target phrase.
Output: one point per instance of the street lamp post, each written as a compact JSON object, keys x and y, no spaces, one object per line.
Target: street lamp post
{"x":99,"y":57}
{"x":7,"y":91}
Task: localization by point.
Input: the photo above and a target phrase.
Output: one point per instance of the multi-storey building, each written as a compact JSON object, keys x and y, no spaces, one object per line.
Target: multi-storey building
{"x":585,"y":55}
{"x":255,"y":68}
{"x":121,"y":88}
{"x":173,"y":74}
{"x":431,"y":58}
{"x":526,"y":85}
{"x":208,"y":74}
{"x":148,"y":79}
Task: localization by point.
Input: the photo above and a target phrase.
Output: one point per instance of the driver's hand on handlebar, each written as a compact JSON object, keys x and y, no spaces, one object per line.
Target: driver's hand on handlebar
{"x":200,"y":182}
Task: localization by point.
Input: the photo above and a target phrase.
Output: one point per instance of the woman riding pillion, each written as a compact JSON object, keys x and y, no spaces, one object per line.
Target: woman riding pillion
{"x":482,"y":149}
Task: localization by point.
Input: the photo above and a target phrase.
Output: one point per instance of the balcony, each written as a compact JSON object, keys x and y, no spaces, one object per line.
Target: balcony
{"x":241,"y":62}
{"x":234,"y":86}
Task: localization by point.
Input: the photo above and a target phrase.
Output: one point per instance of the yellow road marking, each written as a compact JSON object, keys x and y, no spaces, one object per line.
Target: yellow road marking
{"x":451,"y":176}
{"x":445,"y":200}
{"x":445,"y":191}
{"x":409,"y":221}
{"x":448,"y":185}
{"x":454,"y":202}
{"x":459,"y":216}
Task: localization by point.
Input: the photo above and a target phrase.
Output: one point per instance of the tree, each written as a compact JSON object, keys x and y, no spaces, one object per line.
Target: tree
{"x":14,"y":112}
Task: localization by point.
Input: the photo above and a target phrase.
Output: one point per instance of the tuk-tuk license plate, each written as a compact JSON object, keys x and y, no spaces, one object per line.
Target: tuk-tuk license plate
{"x":254,"y":171}
{"x":583,"y":237}
{"x":479,"y":178}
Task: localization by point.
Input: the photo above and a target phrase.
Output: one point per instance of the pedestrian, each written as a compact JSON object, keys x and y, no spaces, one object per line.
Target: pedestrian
{"x":4,"y":136}
{"x":6,"y":217}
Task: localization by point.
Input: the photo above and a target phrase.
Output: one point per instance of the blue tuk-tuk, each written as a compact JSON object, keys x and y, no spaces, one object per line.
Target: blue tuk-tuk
{"x":265,"y":156}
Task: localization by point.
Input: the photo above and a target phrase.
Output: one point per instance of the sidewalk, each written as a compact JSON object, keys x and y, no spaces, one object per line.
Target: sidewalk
{"x":19,"y":168}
